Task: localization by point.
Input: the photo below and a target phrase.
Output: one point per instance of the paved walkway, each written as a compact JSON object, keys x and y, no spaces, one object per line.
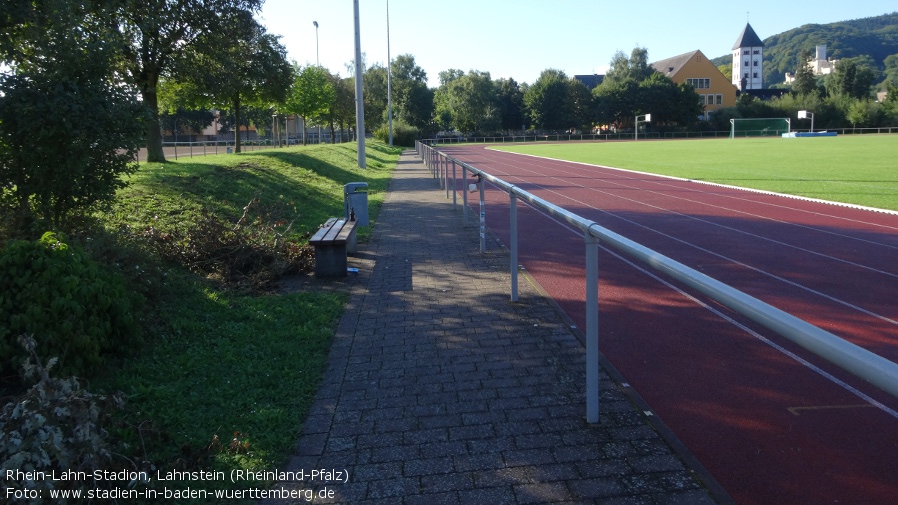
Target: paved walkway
{"x":440,"y":390}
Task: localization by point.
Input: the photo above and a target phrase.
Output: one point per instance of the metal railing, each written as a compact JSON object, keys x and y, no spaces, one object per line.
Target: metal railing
{"x":183,"y":149}
{"x":869,"y":366}
{"x":625,"y":135}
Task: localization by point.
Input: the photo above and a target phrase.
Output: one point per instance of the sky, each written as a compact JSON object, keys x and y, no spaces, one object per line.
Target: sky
{"x":520,"y":38}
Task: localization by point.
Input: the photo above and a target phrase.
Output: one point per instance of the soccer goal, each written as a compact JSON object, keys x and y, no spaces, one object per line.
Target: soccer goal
{"x":760,"y":127}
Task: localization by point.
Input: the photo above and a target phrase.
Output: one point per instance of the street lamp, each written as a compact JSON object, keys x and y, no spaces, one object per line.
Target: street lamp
{"x":359,"y":98}
{"x":317,"y":61}
{"x":389,"y":79}
{"x":803,"y":114}
{"x":646,"y":118}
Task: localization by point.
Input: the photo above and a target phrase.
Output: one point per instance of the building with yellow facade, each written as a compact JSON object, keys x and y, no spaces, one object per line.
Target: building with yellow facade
{"x":714,"y":89}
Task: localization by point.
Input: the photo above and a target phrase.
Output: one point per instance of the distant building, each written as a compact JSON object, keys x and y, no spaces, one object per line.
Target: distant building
{"x":748,"y":60}
{"x":590,"y":81}
{"x":819,"y":64}
{"x":713,"y":88}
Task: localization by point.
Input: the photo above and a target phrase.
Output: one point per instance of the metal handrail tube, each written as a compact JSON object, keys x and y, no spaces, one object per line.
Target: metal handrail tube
{"x":865,"y":364}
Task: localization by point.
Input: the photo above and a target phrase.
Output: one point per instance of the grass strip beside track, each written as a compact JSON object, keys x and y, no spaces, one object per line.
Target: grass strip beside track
{"x":226,"y":377}
{"x":857,"y":169}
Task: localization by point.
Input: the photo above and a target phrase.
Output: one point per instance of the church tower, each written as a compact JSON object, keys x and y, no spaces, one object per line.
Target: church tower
{"x":748,"y":61}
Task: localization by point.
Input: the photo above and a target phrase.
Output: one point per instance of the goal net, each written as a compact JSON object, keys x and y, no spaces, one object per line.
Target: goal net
{"x":759,"y":127}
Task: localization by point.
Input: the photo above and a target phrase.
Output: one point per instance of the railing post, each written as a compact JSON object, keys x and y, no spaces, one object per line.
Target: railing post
{"x":464,"y":196}
{"x":513,"y":247}
{"x":482,"y":218}
{"x":592,"y":328}
{"x":454,"y":186}
{"x":446,"y":177}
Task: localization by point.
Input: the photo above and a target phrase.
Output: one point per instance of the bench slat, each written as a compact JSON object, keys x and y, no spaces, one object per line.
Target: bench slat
{"x":343,"y":236}
{"x":334,"y":232}
{"x":322,"y":232}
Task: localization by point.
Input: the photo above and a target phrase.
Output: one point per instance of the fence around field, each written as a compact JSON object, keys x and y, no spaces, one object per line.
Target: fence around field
{"x":869,"y":366}
{"x":176,"y":150}
{"x":570,"y":137}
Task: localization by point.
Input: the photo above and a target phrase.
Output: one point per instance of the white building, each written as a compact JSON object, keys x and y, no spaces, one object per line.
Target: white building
{"x":819,"y":64}
{"x":748,"y":61}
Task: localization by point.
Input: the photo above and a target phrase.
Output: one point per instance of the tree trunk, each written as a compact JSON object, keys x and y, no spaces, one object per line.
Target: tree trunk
{"x":154,"y":128}
{"x":237,"y":122}
{"x":304,"y":129}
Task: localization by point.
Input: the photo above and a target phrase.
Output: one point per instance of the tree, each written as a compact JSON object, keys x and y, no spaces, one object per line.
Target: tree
{"x":805,"y":81}
{"x":447,"y":76}
{"x":311,"y":95}
{"x":153,"y":32}
{"x":548,"y":101}
{"x":668,"y":102}
{"x":890,"y":105}
{"x":617,"y":103}
{"x":636,"y":89}
{"x":186,"y":120}
{"x":342,"y":109}
{"x":636,"y":67}
{"x":468,"y":103}
{"x":375,"y":82}
{"x":582,"y":105}
{"x":69,"y":129}
{"x":510,"y":100}
{"x":239,"y":66}
{"x":727,"y":70}
{"x":864,"y":113}
{"x":412,"y":99}
{"x":852,"y":78}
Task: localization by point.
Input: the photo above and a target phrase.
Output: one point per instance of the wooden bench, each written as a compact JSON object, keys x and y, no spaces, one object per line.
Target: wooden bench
{"x":333,"y":241}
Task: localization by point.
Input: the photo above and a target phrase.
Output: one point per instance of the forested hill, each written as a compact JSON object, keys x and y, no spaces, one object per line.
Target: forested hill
{"x":876,"y":37}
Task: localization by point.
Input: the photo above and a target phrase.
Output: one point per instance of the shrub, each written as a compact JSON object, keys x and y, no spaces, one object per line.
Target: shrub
{"x":55,"y":426}
{"x":249,"y":254}
{"x":81,"y":310}
{"x":403,"y":134}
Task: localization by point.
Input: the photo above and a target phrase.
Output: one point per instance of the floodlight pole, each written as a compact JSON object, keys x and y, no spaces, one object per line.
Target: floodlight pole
{"x":389,"y":79}
{"x":359,"y":100}
{"x":646,"y":118}
{"x":318,"y":64}
{"x":317,"y":60}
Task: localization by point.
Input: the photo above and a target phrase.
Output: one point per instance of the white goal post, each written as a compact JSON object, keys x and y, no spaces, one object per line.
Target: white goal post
{"x":760,"y":127}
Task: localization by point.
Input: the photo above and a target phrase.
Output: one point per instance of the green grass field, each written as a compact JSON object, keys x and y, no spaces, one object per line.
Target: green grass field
{"x":857,"y":169}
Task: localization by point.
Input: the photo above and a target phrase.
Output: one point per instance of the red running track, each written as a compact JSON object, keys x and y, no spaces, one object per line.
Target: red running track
{"x":772,"y":423}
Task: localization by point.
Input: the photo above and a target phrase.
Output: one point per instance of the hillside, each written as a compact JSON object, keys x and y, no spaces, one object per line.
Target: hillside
{"x":876,"y":37}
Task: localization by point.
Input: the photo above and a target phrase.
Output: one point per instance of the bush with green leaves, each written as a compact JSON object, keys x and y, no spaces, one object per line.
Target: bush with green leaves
{"x":80,"y":310}
{"x":403,"y":134}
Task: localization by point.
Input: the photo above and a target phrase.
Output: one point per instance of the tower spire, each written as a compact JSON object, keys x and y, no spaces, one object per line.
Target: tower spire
{"x":748,"y":60}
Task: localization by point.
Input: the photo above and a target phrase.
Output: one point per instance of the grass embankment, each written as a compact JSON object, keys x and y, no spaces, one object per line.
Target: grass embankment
{"x":857,"y":169}
{"x":238,"y":365}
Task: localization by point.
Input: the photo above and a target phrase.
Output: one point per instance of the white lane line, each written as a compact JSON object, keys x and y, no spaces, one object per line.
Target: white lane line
{"x":734,"y":261}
